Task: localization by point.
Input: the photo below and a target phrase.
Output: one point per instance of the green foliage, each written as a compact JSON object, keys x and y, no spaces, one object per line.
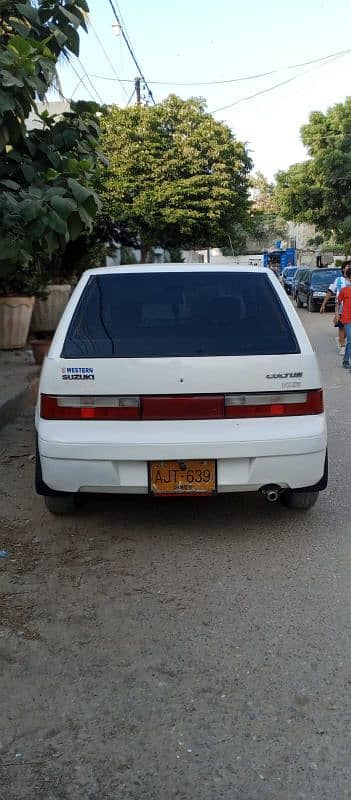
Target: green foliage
{"x":176,"y":176}
{"x":263,"y":194}
{"x":319,"y":190}
{"x":47,"y":198}
{"x":46,"y":193}
{"x":266,"y":221}
{"x":32,"y":38}
{"x":127,"y":256}
{"x":90,"y":249}
{"x":175,"y":255}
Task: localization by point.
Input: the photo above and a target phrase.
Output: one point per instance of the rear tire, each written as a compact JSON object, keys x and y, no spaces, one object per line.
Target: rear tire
{"x":299,"y":302}
{"x":299,"y":500}
{"x":66,"y":504}
{"x":311,"y":305}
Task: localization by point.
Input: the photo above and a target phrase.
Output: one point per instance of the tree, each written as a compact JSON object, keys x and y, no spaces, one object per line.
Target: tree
{"x":267,"y":222}
{"x":319,"y":190}
{"x":46,"y":197}
{"x":91,"y":248}
{"x":176,"y":177}
{"x":33,"y":36}
{"x":263,"y":194}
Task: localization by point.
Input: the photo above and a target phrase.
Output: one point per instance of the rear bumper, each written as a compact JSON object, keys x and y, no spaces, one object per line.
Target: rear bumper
{"x":114,"y":457}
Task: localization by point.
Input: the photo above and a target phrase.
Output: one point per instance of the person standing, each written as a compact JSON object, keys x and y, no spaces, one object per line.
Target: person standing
{"x":334,"y":291}
{"x":344,"y":302}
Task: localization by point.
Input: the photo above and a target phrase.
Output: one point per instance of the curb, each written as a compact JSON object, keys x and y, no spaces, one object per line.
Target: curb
{"x":16,"y":404}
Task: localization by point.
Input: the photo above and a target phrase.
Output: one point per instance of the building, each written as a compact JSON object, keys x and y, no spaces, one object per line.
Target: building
{"x":57,"y":107}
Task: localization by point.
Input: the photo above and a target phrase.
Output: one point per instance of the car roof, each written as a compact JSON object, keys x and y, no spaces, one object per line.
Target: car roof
{"x":147,"y":268}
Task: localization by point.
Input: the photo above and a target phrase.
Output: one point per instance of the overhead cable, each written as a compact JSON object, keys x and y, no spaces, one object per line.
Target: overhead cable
{"x":331,"y":56}
{"x":276,"y":85}
{"x":81,"y":81}
{"x":131,"y":51}
{"x":107,"y":58}
{"x":256,"y":94}
{"x":98,"y":95}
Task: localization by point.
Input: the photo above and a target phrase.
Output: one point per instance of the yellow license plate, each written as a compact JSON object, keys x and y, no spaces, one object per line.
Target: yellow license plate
{"x":182,"y":477}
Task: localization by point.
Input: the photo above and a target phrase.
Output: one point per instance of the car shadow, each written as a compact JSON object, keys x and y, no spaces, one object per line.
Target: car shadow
{"x":232,"y":515}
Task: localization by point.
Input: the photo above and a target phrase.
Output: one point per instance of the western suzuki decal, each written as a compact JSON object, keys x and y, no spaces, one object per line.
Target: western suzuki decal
{"x":77,"y":374}
{"x":282,"y":375}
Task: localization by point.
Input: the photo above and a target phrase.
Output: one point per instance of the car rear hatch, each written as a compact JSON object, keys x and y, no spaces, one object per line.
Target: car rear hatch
{"x":146,"y":349}
{"x":184,"y":332}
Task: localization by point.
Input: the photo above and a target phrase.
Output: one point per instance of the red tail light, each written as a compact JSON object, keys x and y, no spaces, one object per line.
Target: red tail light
{"x":183,"y":407}
{"x":284,"y":404}
{"x":98,"y":408}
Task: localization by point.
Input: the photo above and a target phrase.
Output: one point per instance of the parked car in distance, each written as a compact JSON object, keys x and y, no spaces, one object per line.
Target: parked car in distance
{"x":179,"y":380}
{"x":298,"y":274}
{"x":313,"y":286}
{"x":288,"y":277}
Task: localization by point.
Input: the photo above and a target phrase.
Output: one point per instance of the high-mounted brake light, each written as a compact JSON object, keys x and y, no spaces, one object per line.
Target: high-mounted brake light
{"x":183,"y":407}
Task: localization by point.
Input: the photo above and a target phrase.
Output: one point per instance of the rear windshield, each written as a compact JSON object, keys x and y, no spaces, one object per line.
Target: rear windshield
{"x":325,"y":278}
{"x":179,"y":314}
{"x":288,"y":273}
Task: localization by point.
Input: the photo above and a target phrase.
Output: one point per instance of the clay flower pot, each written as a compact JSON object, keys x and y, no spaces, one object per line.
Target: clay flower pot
{"x":40,"y":348}
{"x":15,"y":317}
{"x":47,"y":313}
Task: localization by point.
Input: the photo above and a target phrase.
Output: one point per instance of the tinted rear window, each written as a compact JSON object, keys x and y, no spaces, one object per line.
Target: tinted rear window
{"x":179,"y":314}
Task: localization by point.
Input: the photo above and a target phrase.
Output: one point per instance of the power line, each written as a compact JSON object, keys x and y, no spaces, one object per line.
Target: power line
{"x":338,"y":54}
{"x":331,"y":56}
{"x":192,"y":83}
{"x":123,"y":23}
{"x":256,"y":94}
{"x":108,"y":59}
{"x":131,"y":98}
{"x":91,"y":83}
{"x":131,"y":51}
{"x":277,"y":85}
{"x":76,"y":87}
{"x":81,"y":81}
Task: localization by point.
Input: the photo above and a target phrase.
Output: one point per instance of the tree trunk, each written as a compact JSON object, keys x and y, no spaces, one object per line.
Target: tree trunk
{"x":144,"y":252}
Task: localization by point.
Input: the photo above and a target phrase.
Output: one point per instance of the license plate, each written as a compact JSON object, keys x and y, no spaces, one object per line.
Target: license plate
{"x":182,"y":477}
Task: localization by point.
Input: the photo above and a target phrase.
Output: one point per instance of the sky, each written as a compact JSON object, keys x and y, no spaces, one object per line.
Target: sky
{"x":201,"y":41}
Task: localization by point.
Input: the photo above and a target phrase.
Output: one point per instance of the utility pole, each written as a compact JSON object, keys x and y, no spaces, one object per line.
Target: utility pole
{"x":137,"y":91}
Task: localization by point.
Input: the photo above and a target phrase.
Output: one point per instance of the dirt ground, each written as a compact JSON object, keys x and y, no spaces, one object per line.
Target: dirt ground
{"x":176,"y":650}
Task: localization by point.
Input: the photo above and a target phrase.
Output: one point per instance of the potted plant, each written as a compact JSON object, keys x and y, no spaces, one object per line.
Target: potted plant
{"x":17,"y":290}
{"x":15,"y":315}
{"x":48,"y":309}
{"x":40,"y":347}
{"x":58,"y":276}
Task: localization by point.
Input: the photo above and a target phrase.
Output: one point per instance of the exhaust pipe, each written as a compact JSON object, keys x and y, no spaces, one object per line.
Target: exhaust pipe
{"x":271,"y":493}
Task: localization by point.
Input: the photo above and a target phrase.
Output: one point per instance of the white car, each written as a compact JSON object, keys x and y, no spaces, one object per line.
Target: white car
{"x":176,"y":380}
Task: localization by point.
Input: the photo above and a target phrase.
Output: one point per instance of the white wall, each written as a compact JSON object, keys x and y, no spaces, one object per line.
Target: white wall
{"x":57,"y":107}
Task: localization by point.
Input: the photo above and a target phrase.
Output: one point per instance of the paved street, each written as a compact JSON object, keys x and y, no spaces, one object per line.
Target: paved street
{"x":178,"y":650}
